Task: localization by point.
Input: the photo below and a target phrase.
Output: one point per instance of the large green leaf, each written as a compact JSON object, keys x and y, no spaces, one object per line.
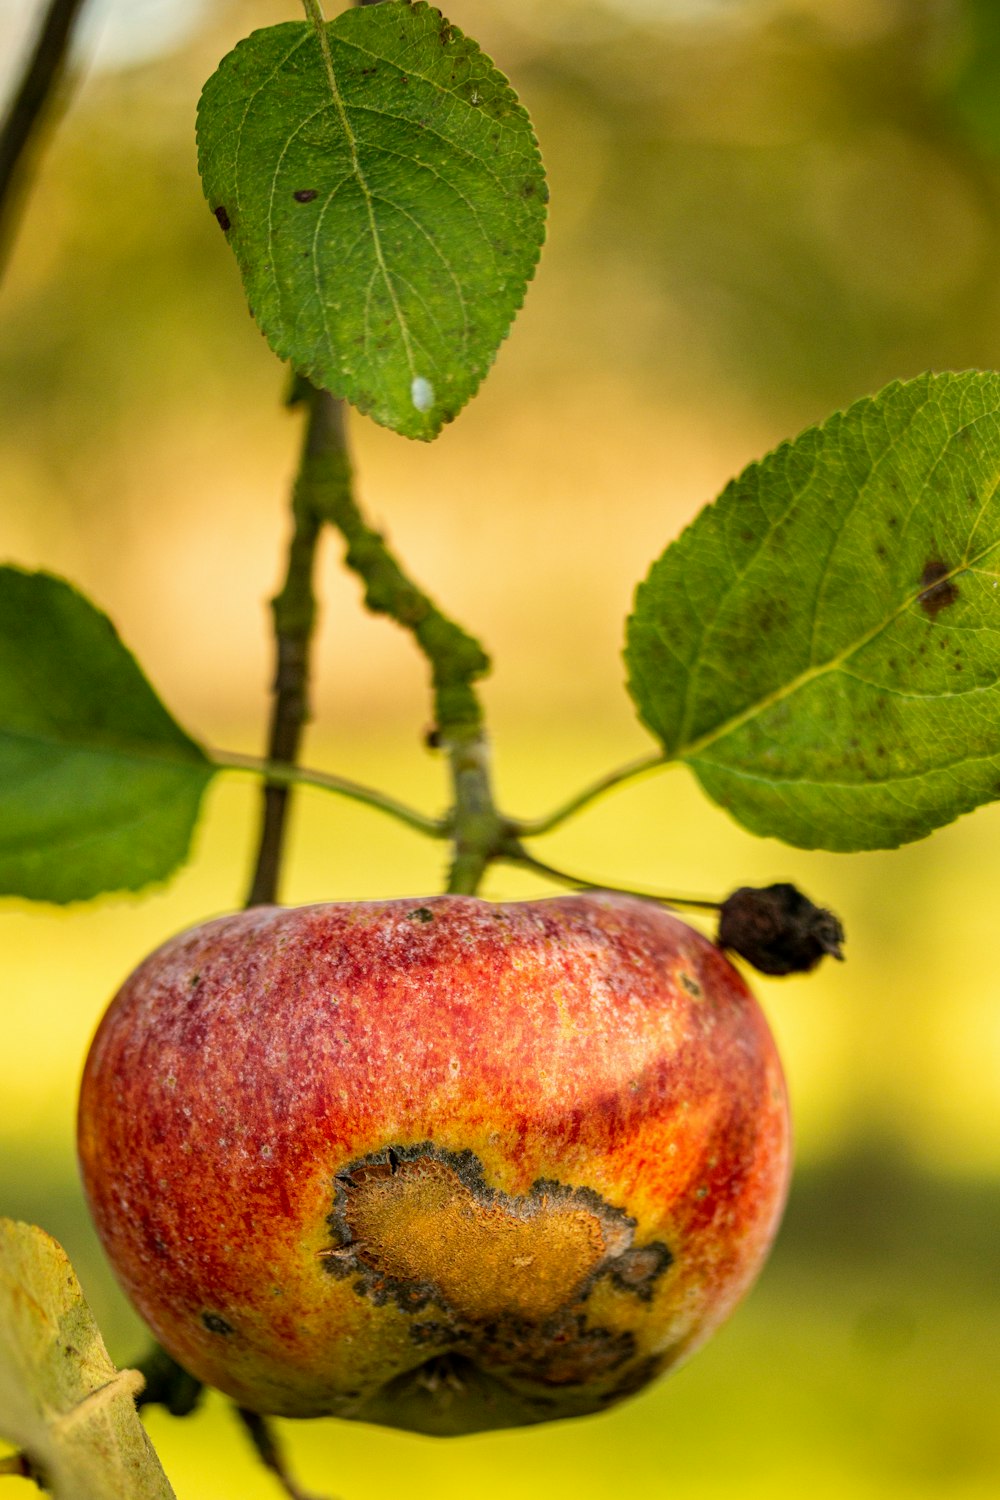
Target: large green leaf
{"x":822,"y":645}
{"x":385,"y":202}
{"x":62,"y":1402}
{"x":99,"y":787}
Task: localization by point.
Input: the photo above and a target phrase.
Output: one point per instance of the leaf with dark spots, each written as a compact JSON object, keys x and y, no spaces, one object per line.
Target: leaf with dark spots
{"x":419,"y":224}
{"x":779,"y":648}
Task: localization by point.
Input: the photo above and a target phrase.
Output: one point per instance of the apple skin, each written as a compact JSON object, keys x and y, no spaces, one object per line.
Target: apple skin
{"x":441,"y":1164}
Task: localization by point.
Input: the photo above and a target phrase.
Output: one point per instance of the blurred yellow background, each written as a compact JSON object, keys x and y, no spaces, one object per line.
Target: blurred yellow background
{"x":761,"y":209}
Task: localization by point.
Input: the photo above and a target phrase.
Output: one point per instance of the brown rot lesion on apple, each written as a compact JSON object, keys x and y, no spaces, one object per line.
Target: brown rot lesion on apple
{"x":511,"y":1279}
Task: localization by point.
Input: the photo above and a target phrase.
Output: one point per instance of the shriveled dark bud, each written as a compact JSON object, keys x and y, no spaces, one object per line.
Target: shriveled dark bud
{"x":778,"y":930}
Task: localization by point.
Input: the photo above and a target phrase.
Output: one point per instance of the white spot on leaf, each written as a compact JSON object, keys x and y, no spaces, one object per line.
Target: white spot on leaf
{"x":421,"y":393}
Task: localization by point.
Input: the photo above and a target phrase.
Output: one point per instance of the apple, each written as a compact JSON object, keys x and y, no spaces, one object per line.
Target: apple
{"x":441,"y":1164}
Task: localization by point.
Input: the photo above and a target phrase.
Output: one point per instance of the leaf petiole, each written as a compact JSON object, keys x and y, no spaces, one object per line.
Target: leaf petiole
{"x":526,"y":861}
{"x":282,"y":773}
{"x":533,"y":827}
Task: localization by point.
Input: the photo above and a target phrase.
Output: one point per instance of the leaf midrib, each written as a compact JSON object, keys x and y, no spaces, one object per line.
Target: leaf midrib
{"x":331,"y":75}
{"x":826,"y":430}
{"x":189,"y":755}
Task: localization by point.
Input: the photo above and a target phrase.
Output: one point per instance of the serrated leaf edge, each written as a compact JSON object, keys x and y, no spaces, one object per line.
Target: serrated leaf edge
{"x":281,"y":345}
{"x":695,"y":748}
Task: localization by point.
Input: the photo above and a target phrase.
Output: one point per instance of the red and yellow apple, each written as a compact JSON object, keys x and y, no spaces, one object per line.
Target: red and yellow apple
{"x":444,"y":1164}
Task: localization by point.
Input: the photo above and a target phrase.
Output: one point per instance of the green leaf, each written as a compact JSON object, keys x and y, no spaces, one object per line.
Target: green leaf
{"x":61,"y":1399}
{"x":99,"y":787}
{"x":822,"y":645}
{"x":385,"y":202}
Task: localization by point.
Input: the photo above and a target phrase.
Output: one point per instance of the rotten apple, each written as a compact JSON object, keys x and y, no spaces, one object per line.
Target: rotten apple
{"x":444,"y":1164}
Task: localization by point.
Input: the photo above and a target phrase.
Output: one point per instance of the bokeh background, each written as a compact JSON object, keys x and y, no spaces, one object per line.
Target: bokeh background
{"x":761,"y":210}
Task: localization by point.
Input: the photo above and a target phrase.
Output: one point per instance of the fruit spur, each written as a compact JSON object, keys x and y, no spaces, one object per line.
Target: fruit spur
{"x":442,"y":1164}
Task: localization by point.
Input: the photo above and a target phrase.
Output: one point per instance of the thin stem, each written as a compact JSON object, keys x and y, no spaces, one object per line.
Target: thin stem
{"x":294,"y":610}
{"x":532,"y":827}
{"x":284,"y":775}
{"x":39,"y":81}
{"x":526,"y":861}
{"x":262,"y":1435}
{"x":455,"y":658}
{"x":314,"y":12}
{"x":479,"y":833}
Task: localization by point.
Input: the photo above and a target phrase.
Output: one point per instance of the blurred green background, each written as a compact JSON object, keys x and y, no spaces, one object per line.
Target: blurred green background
{"x":761,"y":209}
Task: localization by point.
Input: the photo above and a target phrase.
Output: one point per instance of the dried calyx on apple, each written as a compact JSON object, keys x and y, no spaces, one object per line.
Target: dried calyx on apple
{"x":778,"y":930}
{"x":445,"y":1165}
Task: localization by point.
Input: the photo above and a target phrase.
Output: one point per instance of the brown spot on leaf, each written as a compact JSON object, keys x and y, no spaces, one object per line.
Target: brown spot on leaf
{"x":305,"y":195}
{"x":938,"y":589}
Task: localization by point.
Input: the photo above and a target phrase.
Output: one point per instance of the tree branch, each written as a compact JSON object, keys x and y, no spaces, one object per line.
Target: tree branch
{"x":294,"y":611}
{"x":455,"y":658}
{"x":39,"y":81}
